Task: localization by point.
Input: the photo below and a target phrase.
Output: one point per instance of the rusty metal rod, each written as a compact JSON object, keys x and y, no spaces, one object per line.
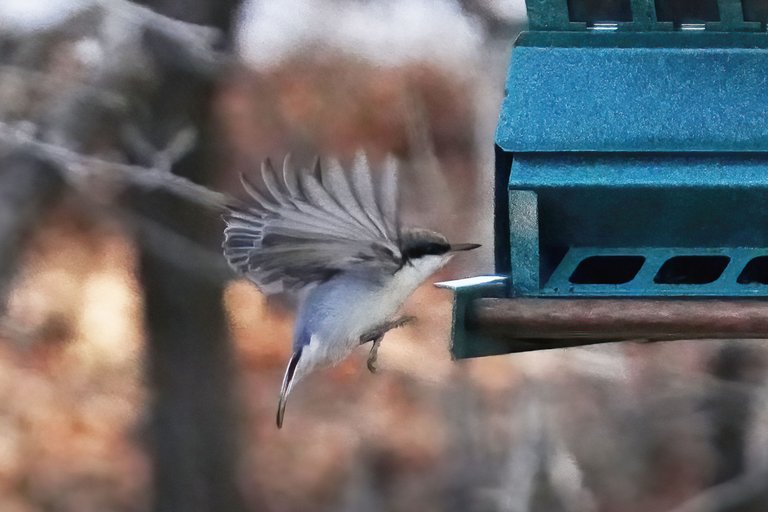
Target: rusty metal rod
{"x":599,"y":320}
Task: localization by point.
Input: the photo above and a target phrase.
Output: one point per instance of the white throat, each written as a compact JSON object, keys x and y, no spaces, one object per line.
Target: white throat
{"x":418,"y":270}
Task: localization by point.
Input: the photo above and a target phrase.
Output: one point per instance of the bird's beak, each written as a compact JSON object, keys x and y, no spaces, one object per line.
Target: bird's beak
{"x":463,"y":247}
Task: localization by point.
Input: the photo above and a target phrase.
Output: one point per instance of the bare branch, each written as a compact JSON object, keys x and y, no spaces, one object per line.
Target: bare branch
{"x":80,"y":166}
{"x":32,"y":76}
{"x":166,"y":243}
{"x":201,"y":37}
{"x":117,"y":18}
{"x":196,"y":43}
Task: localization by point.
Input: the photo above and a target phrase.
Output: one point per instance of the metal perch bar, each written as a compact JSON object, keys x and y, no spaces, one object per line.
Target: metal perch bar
{"x":554,"y":323}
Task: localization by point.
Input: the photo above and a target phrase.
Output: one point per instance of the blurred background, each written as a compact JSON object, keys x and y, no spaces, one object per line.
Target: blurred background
{"x":137,"y":374}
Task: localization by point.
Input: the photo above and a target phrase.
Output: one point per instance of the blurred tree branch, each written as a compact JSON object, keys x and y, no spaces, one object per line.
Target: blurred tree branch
{"x":495,"y":23}
{"x":80,"y":167}
{"x":201,"y":38}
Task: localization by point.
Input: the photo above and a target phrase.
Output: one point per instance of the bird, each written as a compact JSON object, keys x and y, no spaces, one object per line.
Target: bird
{"x":331,"y":237}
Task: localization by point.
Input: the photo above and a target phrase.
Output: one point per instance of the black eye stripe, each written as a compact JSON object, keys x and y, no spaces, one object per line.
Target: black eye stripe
{"x":424,"y":249}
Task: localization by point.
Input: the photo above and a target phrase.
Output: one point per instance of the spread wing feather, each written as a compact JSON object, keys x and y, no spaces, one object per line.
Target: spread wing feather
{"x":306,"y":226}
{"x":337,"y":182}
{"x":388,"y":198}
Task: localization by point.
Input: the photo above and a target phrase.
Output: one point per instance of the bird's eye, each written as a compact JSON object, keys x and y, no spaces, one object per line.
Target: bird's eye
{"x":438,"y":248}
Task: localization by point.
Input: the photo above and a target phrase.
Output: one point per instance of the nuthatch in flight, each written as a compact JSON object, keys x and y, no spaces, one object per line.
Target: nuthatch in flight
{"x":333,"y":239}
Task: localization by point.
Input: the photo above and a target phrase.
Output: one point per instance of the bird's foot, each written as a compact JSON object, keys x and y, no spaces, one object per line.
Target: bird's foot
{"x":381,"y":330}
{"x":377,"y":334}
{"x":402,"y":321}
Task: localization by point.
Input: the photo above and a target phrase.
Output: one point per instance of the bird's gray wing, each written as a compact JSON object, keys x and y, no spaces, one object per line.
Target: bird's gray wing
{"x":306,"y":226}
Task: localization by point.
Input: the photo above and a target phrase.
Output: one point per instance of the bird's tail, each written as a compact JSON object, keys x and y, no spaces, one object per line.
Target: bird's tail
{"x":285,"y":389}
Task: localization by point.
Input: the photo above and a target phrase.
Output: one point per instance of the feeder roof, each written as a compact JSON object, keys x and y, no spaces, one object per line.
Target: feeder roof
{"x":636,"y":92}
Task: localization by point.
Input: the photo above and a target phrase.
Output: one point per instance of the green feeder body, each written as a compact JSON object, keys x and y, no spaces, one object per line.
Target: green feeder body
{"x":632,"y":159}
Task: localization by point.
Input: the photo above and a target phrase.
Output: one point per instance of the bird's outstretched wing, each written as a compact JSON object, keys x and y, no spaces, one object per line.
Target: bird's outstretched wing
{"x":309,"y":224}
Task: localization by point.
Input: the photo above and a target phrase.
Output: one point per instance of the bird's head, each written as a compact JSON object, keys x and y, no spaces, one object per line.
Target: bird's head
{"x":427,"y":251}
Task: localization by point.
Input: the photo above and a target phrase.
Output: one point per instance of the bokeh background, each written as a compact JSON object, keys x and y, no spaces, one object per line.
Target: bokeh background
{"x":137,"y":374}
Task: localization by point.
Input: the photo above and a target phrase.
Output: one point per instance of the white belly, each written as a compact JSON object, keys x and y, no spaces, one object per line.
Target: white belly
{"x":344,"y":310}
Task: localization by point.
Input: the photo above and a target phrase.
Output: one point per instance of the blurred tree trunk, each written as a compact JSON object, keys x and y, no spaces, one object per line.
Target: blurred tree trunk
{"x":731,"y":407}
{"x":190,"y":360}
{"x":28,"y":186}
{"x":740,"y":368}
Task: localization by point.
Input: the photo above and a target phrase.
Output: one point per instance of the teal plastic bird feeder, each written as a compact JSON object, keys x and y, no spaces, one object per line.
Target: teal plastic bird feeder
{"x":631,"y":179}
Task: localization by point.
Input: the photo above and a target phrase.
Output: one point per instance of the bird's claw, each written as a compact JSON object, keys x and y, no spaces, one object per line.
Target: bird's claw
{"x":403,"y":321}
{"x":373,"y":355}
{"x":378,"y":334}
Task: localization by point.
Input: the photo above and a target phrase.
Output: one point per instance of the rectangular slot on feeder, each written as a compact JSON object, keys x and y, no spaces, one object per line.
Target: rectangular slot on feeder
{"x":607,"y":270}
{"x":691,"y":270}
{"x":600,"y":13}
{"x":756,"y":271}
{"x":687,"y":14}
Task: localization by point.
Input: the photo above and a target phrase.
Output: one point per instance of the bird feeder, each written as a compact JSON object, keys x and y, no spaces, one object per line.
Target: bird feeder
{"x":631,"y":194}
